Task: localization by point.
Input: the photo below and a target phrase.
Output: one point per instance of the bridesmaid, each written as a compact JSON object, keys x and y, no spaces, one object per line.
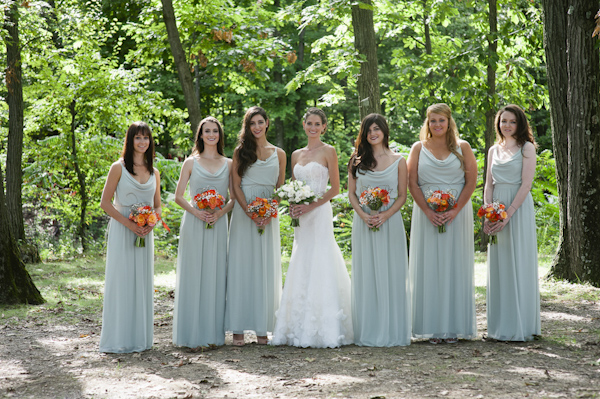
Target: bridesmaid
{"x":380,"y":285}
{"x":441,"y":264}
{"x":127,"y":317}
{"x":513,"y":296}
{"x":199,"y":314}
{"x":254,"y":265}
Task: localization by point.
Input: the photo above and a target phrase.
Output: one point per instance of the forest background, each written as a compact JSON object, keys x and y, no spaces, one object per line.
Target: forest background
{"x":90,"y":68}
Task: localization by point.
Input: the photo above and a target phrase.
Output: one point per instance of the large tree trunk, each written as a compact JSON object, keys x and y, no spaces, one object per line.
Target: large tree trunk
{"x":366,"y":45}
{"x":183,"y":69}
{"x":491,"y":91}
{"x":80,"y":178}
{"x":571,"y":53}
{"x":14,"y":86}
{"x":16,"y":285}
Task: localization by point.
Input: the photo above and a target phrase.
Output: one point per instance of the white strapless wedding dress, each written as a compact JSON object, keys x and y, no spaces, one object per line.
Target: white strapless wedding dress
{"x":315,"y":304}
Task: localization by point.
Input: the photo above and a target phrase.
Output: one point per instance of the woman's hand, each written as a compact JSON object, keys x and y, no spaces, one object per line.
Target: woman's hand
{"x":375,"y":221}
{"x":297,"y":210}
{"x":208,"y":216}
{"x":139,"y":231}
{"x":491,"y":229}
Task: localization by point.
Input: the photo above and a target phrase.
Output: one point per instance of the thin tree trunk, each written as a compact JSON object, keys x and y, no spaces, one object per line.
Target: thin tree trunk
{"x":80,"y":178}
{"x":491,"y":91}
{"x":183,"y":69}
{"x":16,"y":285}
{"x":366,"y":45}
{"x":14,"y":86}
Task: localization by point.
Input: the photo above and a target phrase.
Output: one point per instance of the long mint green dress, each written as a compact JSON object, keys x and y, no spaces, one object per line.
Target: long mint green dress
{"x":127,"y":316}
{"x":199,"y":313}
{"x":441,"y":264}
{"x":254,"y":264}
{"x":513,"y":295}
{"x":381,"y":310}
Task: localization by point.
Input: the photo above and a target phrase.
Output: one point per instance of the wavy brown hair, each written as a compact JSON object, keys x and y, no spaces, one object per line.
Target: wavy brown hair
{"x":134,"y":129}
{"x":451,"y":134}
{"x":245,"y":152}
{"x":523,"y":134}
{"x":363,"y":158}
{"x":199,"y":143}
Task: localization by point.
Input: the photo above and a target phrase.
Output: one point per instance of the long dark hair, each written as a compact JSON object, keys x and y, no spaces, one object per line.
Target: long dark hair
{"x":524,"y":133}
{"x":127,"y":154}
{"x":199,"y":143}
{"x":245,"y":152}
{"x":363,"y":158}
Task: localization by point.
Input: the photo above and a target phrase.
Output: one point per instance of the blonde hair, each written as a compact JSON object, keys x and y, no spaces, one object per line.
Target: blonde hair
{"x":451,"y":134}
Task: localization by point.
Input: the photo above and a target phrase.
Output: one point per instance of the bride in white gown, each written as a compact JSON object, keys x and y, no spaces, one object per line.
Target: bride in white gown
{"x":315,"y":305}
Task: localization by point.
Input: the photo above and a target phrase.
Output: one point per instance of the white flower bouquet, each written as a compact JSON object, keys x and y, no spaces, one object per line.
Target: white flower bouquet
{"x":296,"y":192}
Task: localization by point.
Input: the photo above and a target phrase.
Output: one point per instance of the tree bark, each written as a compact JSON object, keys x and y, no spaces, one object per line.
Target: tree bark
{"x":183,"y":69}
{"x":14,"y":86}
{"x":80,"y":178}
{"x":366,"y":45}
{"x":576,"y":133}
{"x":16,"y":285}
{"x":490,"y":112}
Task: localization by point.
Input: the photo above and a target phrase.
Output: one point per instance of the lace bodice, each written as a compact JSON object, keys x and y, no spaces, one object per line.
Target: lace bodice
{"x":314,"y":174}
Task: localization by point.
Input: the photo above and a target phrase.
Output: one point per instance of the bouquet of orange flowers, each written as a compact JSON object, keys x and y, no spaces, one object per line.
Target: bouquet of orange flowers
{"x":374,"y":199}
{"x":144,"y":215}
{"x":441,"y":201}
{"x":209,"y":199}
{"x":263,"y":208}
{"x":494,"y":212}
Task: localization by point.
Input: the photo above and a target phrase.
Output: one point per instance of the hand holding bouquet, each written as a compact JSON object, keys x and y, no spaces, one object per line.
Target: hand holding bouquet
{"x":374,"y":199}
{"x":144,"y":215}
{"x":296,"y":192}
{"x":441,"y":201}
{"x":263,"y":208}
{"x":494,"y":212}
{"x":209,"y":199}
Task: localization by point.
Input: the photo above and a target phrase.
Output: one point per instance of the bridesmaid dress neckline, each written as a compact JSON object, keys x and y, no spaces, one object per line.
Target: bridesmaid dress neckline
{"x":208,"y":171}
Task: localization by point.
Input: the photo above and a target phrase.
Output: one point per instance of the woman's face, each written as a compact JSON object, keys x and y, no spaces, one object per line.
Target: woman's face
{"x":374,"y":135}
{"x":508,"y":124}
{"x":141,"y":143}
{"x":438,"y":124}
{"x":313,"y":126}
{"x":210,"y":133}
{"x":258,"y":126}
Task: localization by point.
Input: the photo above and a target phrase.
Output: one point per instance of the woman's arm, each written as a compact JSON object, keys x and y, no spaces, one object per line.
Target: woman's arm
{"x":354,"y":201}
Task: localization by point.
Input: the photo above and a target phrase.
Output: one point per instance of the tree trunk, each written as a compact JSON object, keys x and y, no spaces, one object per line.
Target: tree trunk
{"x":16,"y":285}
{"x":14,"y":86}
{"x":80,"y":178}
{"x":183,"y":69}
{"x":366,"y":45}
{"x":491,"y":92}
{"x":571,"y":53}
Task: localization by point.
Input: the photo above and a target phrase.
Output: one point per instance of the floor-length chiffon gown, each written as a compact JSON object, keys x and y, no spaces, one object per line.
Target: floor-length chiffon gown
{"x":127,"y":315}
{"x":315,"y":306}
{"x":513,"y":296}
{"x":254,"y":264}
{"x":441,"y":264}
{"x":381,"y":309}
{"x":199,"y":313}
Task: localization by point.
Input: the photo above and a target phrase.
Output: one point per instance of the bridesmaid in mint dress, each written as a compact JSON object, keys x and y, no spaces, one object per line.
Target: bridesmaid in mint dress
{"x":441,"y":264}
{"x":513,"y":296}
{"x":127,"y":316}
{"x":381,"y":310}
{"x":254,"y":264}
{"x":199,"y":313}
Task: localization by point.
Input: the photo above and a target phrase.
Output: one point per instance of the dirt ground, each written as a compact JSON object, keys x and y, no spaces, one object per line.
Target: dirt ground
{"x":48,"y":357}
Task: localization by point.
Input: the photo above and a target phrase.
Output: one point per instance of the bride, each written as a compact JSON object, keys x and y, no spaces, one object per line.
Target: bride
{"x":315,"y":304}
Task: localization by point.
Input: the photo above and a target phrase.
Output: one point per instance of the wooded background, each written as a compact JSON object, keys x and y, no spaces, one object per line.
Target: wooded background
{"x":78,"y":73}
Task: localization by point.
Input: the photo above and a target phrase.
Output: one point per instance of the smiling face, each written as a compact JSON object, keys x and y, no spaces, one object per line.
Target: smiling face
{"x":438,"y":124}
{"x":375,"y":134}
{"x":210,"y":133}
{"x":258,"y":126}
{"x":141,"y":142}
{"x":508,"y":124}
{"x":313,"y":126}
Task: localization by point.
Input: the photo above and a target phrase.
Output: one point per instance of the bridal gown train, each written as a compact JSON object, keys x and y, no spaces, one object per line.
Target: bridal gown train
{"x":315,"y":305}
